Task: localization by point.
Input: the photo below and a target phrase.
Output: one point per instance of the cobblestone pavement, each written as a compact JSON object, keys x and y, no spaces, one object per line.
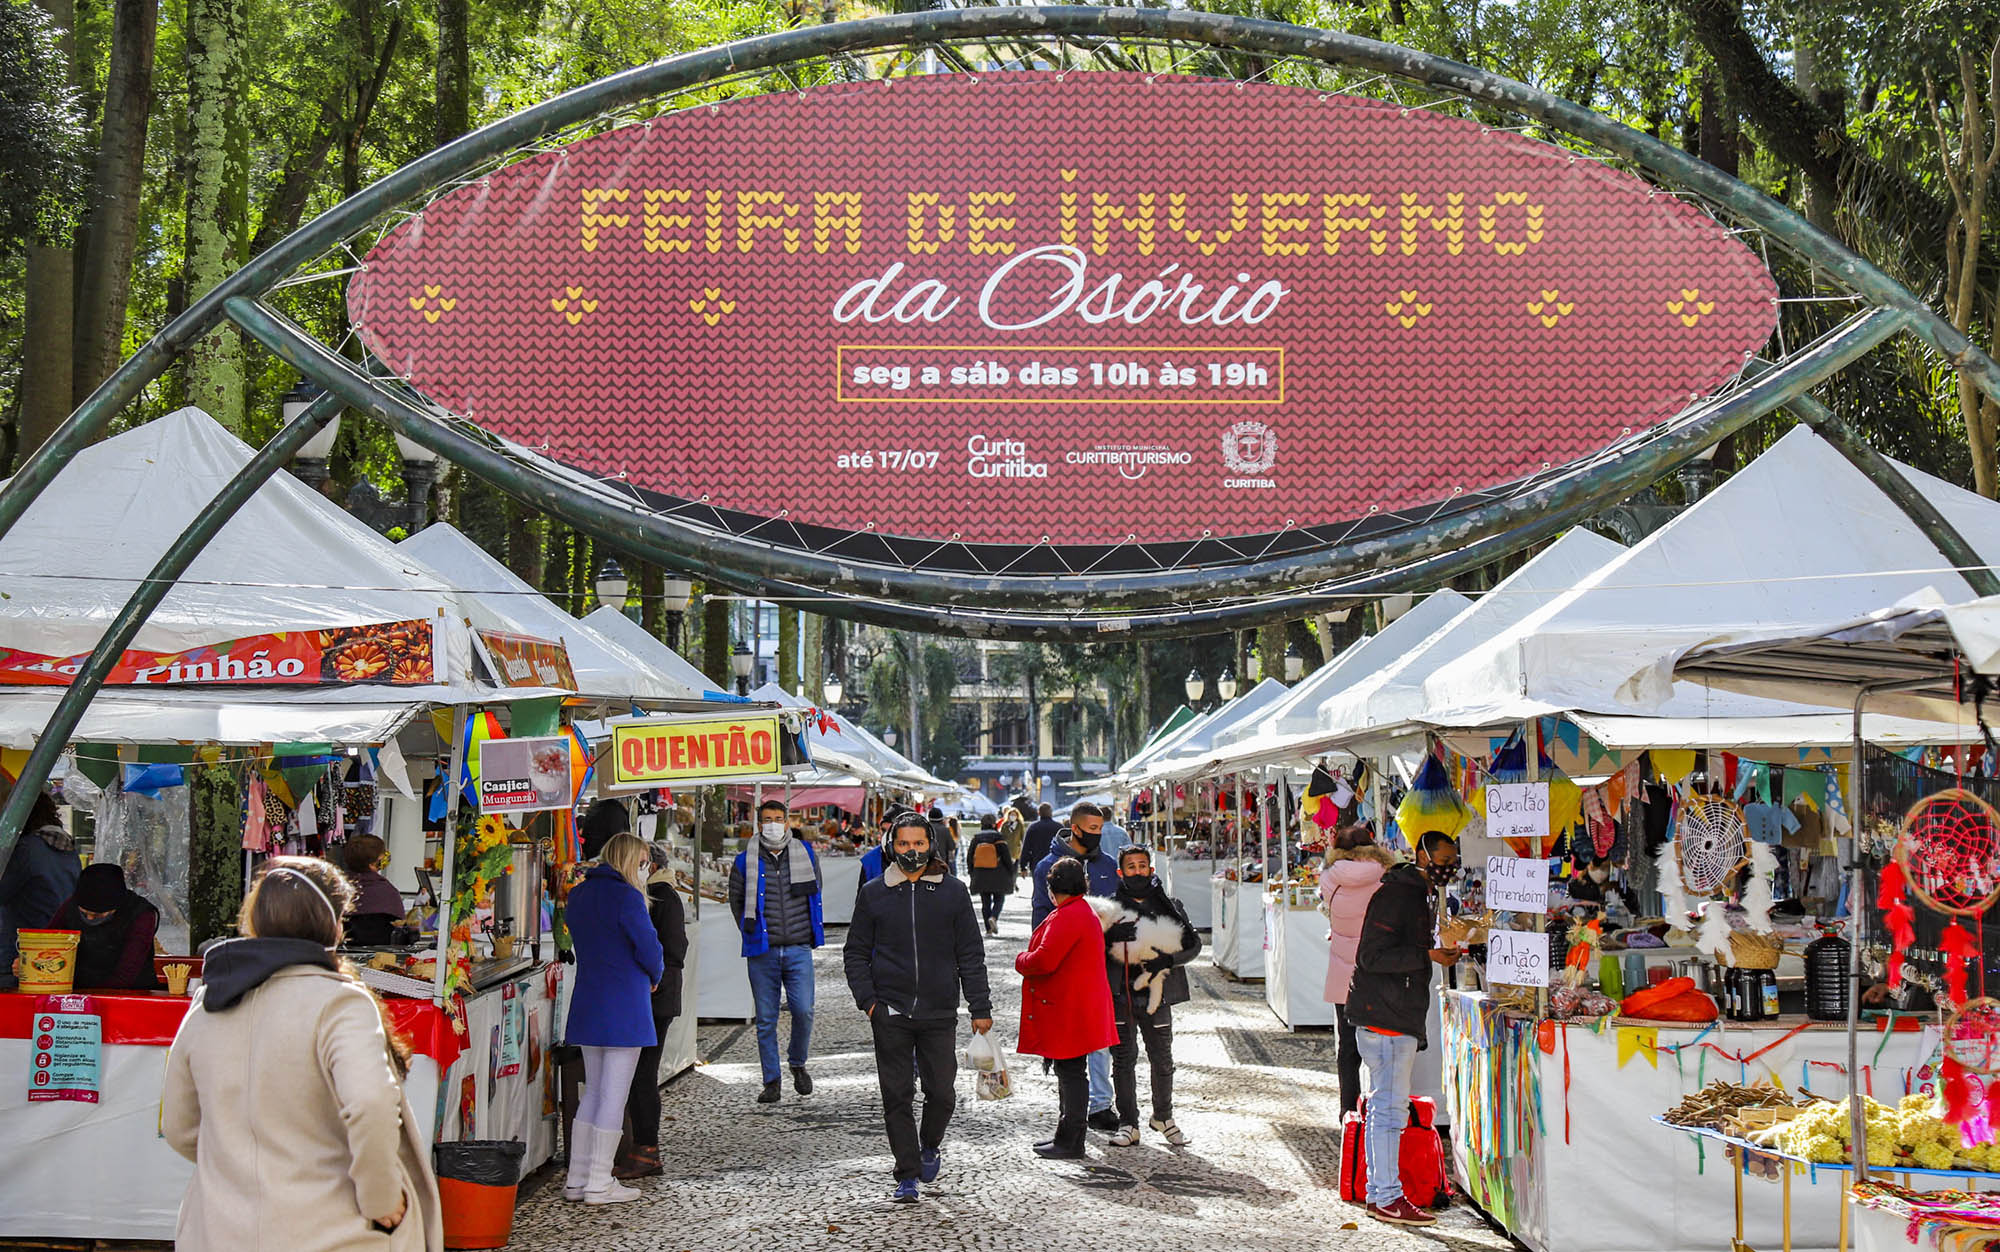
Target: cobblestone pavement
{"x":1260,"y":1107}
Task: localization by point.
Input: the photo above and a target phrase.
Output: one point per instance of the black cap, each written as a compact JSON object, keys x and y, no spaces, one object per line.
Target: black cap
{"x":100,"y":888}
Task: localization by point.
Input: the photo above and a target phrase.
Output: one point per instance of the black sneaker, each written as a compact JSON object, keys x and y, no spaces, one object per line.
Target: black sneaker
{"x":1105,"y":1120}
{"x":801,"y":1081}
{"x":774,"y":1091}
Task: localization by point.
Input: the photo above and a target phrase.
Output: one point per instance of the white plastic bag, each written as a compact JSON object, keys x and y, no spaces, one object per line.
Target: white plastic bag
{"x":988,"y":1064}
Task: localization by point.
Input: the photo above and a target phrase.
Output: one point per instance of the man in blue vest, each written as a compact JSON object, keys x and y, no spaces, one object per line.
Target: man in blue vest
{"x":779,"y":915}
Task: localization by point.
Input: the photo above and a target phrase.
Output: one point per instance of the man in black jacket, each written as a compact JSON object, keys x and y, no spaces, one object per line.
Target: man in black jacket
{"x":1038,"y":839}
{"x":1140,"y":890}
{"x":1389,"y":1004}
{"x":913,"y":912}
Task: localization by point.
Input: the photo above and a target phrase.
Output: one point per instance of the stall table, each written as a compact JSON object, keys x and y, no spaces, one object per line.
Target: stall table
{"x":1236,"y":941}
{"x":1186,"y":879}
{"x":1561,"y":1149}
{"x":1296,"y":954}
{"x":840,"y":881}
{"x":722,"y":985}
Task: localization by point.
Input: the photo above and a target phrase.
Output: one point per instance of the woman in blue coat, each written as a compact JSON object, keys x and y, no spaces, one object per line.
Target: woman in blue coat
{"x":618,"y":963}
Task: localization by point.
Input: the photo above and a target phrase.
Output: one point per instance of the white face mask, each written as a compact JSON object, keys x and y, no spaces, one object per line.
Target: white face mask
{"x":772,"y":833}
{"x":1599,"y":875}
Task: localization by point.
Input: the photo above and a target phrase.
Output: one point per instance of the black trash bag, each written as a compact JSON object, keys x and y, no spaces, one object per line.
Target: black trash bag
{"x":488,"y":1162}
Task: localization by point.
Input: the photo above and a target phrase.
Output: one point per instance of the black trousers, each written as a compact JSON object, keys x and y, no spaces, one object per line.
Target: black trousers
{"x":899,"y":1040}
{"x":642,"y":1103}
{"x":990,"y":904}
{"x":1349,"y":1062}
{"x":1158,"y":1031}
{"x":1072,"y":1099}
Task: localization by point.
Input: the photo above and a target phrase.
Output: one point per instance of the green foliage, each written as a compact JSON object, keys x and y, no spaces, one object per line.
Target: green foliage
{"x":215,"y":866}
{"x":44,"y":138}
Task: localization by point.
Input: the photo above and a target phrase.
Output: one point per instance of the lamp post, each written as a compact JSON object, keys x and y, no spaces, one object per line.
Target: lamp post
{"x":420,"y":474}
{"x":740,"y":662}
{"x":310,"y":465}
{"x":889,"y":735}
{"x":1225,"y":686}
{"x":676,"y":591}
{"x":1195,"y":686}
{"x":834,"y":689}
{"x":612,"y":585}
{"x":1295,"y":665}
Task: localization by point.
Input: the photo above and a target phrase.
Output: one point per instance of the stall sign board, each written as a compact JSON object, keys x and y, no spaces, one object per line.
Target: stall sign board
{"x":511,"y":1031}
{"x":389,"y":654}
{"x":526,"y":661}
{"x":68,"y":1059}
{"x":1517,"y":884}
{"x":648,"y":752}
{"x":525,"y":775}
{"x":1517,"y":958}
{"x":1517,"y":810}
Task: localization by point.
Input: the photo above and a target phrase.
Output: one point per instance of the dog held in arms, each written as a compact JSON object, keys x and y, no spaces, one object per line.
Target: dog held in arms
{"x":1158,"y":936}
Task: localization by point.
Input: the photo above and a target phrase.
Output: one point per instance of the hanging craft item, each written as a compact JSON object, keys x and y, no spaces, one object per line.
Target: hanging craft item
{"x":1971,"y":1062}
{"x":1948,"y":856}
{"x":1319,"y":803}
{"x":1710,"y":843}
{"x":1510,"y":765}
{"x":1431,"y":804}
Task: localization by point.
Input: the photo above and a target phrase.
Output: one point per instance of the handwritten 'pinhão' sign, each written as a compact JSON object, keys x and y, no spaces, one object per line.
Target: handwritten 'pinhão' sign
{"x":1517,"y":958}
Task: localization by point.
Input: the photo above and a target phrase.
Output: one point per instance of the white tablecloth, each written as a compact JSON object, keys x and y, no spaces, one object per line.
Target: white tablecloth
{"x":1295,"y":960}
{"x":840,"y":878}
{"x":1187,"y":881}
{"x":722,"y":983}
{"x":1237,"y":937}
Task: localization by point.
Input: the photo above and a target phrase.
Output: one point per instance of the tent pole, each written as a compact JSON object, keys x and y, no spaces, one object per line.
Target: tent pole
{"x":146,"y":597}
{"x":458,"y":719}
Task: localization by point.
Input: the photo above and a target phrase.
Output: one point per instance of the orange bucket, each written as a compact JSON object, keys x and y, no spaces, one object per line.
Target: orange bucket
{"x":48,"y":961}
{"x":476,"y":1215}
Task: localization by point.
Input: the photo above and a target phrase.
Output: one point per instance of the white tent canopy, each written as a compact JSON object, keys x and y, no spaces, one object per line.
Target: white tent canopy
{"x":1134,"y":768}
{"x":1185,"y":755}
{"x":634,"y":638}
{"x":1796,"y":541}
{"x":605,"y":669}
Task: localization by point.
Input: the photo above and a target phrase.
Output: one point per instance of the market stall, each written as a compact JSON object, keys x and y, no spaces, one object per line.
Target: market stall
{"x":1236,"y":941}
{"x":1296,"y":955}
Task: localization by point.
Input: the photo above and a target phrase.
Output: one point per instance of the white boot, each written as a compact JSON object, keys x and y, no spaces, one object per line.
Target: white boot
{"x":582,"y":1143}
{"x":600,"y":1187}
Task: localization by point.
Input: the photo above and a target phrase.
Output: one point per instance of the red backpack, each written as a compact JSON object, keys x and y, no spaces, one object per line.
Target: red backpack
{"x":1420,"y":1158}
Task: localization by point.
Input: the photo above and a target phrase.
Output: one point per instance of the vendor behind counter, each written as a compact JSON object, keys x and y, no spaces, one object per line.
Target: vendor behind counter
{"x":378,"y":906}
{"x":117,"y":928}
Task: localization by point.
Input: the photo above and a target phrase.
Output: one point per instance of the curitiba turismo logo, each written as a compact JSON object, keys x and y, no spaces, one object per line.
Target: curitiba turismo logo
{"x":1249,"y":449}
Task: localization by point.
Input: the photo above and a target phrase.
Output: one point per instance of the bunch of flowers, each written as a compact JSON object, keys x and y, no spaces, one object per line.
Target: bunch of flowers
{"x":481,"y":857}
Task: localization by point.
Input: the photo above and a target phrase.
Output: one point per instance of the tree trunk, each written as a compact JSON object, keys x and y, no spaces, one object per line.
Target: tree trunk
{"x":1271,"y":649}
{"x":48,"y":318}
{"x":218,"y":195}
{"x":525,"y":553}
{"x":1719,"y":134}
{"x":454,"y":73}
{"x":1142,"y":653}
{"x":1813,"y":74}
{"x":111,"y":221}
{"x":815,"y":675}
{"x":652,"y":593}
{"x":1034,"y":737}
{"x":913,"y":674}
{"x":715,"y":638}
{"x":788,"y":648}
{"x":582,"y":571}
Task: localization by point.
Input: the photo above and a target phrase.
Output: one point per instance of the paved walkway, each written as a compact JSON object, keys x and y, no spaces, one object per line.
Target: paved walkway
{"x":1260,"y":1106}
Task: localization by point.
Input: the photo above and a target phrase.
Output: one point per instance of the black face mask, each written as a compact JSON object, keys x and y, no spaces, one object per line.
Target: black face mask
{"x":1138,"y":885}
{"x":93,"y":922}
{"x":1441,"y":874}
{"x":912,"y":863}
{"x":1087,"y":840}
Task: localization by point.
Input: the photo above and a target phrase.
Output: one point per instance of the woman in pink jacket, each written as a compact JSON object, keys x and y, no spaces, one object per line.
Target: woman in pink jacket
{"x":1354,"y":868}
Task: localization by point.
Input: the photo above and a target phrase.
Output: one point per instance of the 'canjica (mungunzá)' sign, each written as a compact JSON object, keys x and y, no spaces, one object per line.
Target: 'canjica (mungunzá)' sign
{"x":1088,"y":307}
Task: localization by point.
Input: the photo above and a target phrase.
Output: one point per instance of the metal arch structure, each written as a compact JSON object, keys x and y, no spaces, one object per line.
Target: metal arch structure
{"x":1244,"y":592}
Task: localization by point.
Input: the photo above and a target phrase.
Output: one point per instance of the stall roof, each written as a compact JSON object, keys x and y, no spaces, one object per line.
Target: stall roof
{"x":1795,"y":542}
{"x":1185,"y":756}
{"x":605,"y":669}
{"x":1130,"y":772}
{"x":850,"y":747}
{"x":614,"y":625}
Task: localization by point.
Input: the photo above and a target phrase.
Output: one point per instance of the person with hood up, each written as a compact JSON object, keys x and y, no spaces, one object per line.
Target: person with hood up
{"x":1066,"y":1002}
{"x":37,"y":878}
{"x":284,"y":1086}
{"x":603,"y":820}
{"x":914,"y":911}
{"x":117,"y":927}
{"x":781,"y":923}
{"x":1354,"y":868}
{"x":1140,"y":890}
{"x":1389,"y":1003}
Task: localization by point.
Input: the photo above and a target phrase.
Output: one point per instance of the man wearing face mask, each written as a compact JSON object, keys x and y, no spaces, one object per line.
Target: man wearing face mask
{"x":780,"y":920}
{"x":912,"y":948}
{"x":1141,"y":891}
{"x":1593,"y":885}
{"x":1389,"y":1003}
{"x":1083,"y":839}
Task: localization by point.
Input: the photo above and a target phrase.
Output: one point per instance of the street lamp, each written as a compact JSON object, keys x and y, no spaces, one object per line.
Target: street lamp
{"x":740,"y":662}
{"x":834,"y":690}
{"x":676,"y":590}
{"x":1195,"y":686}
{"x":889,"y":736}
{"x":310,"y":461}
{"x":419,"y":476}
{"x":1295,"y":665}
{"x":612,"y":585}
{"x":1225,"y":686}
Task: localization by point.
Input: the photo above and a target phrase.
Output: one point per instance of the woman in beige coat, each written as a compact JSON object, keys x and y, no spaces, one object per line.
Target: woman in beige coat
{"x":284,"y":1090}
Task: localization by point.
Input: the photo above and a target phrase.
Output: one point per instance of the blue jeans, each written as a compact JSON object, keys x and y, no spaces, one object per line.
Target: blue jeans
{"x":790,"y":970}
{"x":1390,"y":1059}
{"x":1100,"y":1080}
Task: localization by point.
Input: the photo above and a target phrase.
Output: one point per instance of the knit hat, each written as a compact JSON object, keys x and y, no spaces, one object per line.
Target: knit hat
{"x":100,"y":888}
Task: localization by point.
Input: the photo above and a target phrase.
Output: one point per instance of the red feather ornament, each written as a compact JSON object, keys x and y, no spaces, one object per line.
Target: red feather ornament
{"x":1958,"y":948}
{"x":1898,"y":916}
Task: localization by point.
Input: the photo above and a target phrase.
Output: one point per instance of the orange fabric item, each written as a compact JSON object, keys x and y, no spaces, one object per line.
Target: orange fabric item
{"x":1675,"y":1000}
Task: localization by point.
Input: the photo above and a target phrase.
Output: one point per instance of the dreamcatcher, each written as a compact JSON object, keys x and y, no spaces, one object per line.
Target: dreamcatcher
{"x":1710,"y":843}
{"x":1971,"y":1060}
{"x":1948,"y":856}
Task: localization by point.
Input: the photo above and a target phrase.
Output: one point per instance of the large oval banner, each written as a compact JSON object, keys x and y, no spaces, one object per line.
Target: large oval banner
{"x":1085,"y":309}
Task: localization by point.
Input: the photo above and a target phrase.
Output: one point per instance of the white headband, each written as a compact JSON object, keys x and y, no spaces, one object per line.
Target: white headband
{"x":307,"y":879}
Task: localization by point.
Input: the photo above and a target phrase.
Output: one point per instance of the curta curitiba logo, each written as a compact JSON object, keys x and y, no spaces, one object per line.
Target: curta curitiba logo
{"x":1249,"y":449}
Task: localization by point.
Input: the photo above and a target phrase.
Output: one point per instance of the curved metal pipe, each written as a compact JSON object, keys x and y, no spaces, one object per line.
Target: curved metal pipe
{"x":468,"y":153}
{"x":661,"y":539}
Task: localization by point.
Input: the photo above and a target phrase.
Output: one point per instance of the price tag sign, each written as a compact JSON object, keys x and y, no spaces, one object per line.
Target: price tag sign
{"x":68,"y":1050}
{"x":1517,"y":958}
{"x":1517,"y":884}
{"x":1517,"y":810}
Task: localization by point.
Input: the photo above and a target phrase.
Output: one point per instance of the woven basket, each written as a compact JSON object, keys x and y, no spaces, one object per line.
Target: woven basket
{"x":1749,"y":950}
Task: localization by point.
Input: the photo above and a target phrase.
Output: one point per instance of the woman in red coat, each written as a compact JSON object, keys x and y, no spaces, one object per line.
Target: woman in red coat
{"x":1066,"y":1001}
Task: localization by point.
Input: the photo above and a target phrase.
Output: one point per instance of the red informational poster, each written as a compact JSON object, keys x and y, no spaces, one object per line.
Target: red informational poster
{"x":68,"y":1058}
{"x":383,"y":653}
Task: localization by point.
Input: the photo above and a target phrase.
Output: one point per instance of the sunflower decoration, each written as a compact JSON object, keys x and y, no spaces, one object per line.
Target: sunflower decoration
{"x":481,"y":858}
